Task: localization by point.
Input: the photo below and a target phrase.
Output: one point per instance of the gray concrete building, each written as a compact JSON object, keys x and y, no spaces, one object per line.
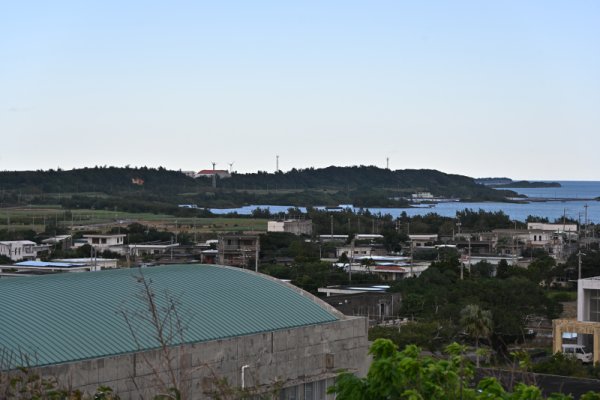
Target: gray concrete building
{"x":295,"y":226}
{"x":140,"y":331}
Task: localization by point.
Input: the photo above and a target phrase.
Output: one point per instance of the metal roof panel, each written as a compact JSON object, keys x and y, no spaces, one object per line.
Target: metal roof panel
{"x":67,"y":317}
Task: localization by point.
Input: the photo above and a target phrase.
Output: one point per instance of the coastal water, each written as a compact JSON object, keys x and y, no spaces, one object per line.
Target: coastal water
{"x":550,"y":209}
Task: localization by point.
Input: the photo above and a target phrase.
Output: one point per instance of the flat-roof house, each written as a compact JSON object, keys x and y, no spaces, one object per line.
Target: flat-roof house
{"x":18,"y":250}
{"x":238,"y":250}
{"x":101,"y":242}
{"x":427,"y":240}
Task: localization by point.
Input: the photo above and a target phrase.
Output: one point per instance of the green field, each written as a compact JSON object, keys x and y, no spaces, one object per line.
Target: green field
{"x":36,"y":217}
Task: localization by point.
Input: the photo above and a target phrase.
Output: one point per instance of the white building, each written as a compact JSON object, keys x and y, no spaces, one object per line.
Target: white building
{"x":18,"y":250}
{"x":423,"y":240}
{"x":101,"y":242}
{"x":587,"y":325}
{"x":295,"y":226}
{"x":208,"y":173}
{"x":151,"y":249}
{"x":356,"y":251}
{"x":552,"y":228}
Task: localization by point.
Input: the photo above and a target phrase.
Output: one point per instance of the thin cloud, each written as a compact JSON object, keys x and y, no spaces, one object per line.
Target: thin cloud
{"x":19,"y":109}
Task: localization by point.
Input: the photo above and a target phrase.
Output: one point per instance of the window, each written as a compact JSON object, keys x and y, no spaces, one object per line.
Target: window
{"x":309,"y":391}
{"x":290,"y":393}
{"x":594,"y":305}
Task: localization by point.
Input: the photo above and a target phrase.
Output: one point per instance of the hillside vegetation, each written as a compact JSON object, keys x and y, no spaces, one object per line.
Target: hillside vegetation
{"x":162,"y":189}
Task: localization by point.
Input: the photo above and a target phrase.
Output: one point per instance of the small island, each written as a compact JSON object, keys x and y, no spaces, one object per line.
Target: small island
{"x":507,"y":183}
{"x":528,"y":184}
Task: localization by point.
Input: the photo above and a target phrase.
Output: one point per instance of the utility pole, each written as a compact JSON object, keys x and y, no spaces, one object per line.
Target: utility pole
{"x":331,"y":218}
{"x":586,"y":226}
{"x":579,"y":262}
{"x":195,"y":241}
{"x":351,"y":262}
{"x":469,"y":254}
{"x":387,"y":163}
{"x":230,"y":167}
{"x":257,"y":253}
{"x":277,"y":163}
{"x":214,"y":175}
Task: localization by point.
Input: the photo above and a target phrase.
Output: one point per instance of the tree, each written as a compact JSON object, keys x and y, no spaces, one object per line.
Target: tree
{"x":408,"y":375}
{"x":477,"y":323}
{"x":432,"y":336}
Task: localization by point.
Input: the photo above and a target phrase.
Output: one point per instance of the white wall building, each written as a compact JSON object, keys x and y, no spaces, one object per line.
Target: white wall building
{"x":18,"y":250}
{"x":587,"y":325}
{"x":553,"y":228}
{"x":355,"y":251}
{"x":101,"y":242}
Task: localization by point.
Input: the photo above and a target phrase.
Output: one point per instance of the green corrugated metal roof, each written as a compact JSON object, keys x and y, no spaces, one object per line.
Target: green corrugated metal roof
{"x":73,"y":316}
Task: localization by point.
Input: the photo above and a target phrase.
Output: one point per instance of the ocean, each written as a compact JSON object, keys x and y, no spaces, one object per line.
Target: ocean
{"x":550,"y":209}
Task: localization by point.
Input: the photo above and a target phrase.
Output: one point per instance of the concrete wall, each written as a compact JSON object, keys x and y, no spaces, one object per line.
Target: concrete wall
{"x":369,"y":305}
{"x":283,"y":358}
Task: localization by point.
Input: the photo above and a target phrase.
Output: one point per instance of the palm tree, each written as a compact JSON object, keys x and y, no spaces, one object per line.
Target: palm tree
{"x":477,"y":323}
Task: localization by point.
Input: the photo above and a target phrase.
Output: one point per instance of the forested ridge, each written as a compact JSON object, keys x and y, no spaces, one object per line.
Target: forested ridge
{"x":360,"y":185}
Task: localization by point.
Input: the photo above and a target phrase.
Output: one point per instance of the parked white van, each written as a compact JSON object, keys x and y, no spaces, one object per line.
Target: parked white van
{"x":578,"y":351}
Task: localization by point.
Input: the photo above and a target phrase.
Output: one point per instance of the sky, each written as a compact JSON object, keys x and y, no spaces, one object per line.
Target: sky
{"x":479,"y":88}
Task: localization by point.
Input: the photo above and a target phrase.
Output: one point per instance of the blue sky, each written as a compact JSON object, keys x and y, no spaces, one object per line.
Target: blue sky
{"x":480,"y":88}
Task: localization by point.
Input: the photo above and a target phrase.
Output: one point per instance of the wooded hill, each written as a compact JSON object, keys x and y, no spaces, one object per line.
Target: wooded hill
{"x":362,"y":186}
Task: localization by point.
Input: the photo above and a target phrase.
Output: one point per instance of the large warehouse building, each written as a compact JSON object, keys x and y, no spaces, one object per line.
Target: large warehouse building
{"x":142,"y":331}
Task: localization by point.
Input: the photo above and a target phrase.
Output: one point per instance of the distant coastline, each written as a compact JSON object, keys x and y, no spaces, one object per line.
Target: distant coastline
{"x":528,"y":184}
{"x":507,"y":183}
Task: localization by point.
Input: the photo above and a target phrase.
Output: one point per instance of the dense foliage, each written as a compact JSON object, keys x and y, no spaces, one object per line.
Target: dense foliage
{"x":408,"y":375}
{"x":439,"y":295}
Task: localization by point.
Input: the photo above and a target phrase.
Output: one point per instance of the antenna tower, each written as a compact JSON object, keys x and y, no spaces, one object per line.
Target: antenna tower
{"x":214,"y":175}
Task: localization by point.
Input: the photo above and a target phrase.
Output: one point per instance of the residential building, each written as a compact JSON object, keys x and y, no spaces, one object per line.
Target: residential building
{"x":587,"y":325}
{"x":248,"y":329}
{"x":66,"y":241}
{"x":239,"y":250}
{"x":208,"y":173}
{"x":553,"y":228}
{"x":295,"y":226}
{"x":101,"y":242}
{"x":359,"y":251}
{"x":150,"y":249}
{"x":513,"y":241}
{"x":377,"y":306}
{"x":18,"y":250}
{"x":418,"y":241}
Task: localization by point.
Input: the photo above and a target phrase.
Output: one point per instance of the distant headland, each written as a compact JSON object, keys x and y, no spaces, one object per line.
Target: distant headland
{"x":506,"y":183}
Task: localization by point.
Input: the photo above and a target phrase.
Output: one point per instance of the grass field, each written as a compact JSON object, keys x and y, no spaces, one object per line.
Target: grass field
{"x":35,"y":217}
